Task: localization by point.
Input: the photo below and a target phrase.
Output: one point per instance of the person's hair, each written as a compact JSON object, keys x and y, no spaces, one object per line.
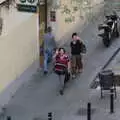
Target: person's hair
{"x":74,"y":34}
{"x":62,"y":49}
{"x":49,"y":29}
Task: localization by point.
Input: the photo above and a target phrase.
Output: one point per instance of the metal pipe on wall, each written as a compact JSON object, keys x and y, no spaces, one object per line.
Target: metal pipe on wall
{"x":46,"y":9}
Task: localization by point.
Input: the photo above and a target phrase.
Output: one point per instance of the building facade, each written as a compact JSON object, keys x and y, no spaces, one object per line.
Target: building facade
{"x":19,"y":49}
{"x":22,"y":38}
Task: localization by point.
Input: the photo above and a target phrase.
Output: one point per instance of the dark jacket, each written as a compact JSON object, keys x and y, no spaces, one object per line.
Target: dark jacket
{"x":76,"y":48}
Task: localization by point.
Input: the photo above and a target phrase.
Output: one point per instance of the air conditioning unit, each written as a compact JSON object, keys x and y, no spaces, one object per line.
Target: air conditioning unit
{"x":1,"y":1}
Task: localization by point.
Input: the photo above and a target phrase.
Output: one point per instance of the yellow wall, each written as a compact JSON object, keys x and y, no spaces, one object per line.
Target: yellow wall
{"x":18,"y":50}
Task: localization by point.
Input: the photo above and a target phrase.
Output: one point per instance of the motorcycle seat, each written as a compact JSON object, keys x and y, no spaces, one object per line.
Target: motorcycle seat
{"x":112,"y":17}
{"x":103,"y":26}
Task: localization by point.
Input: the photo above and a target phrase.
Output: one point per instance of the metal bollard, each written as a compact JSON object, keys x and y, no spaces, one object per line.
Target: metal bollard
{"x":89,"y":111}
{"x":111,"y":101}
{"x":9,"y":118}
{"x":50,"y":116}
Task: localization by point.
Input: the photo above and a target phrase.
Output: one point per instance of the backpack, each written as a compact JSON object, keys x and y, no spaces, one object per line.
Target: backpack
{"x":83,"y":48}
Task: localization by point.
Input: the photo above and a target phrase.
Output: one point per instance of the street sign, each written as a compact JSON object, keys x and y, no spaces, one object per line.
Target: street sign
{"x":27,"y":5}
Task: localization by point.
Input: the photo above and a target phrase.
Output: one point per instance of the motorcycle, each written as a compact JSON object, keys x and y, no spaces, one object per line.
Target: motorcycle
{"x":110,"y":29}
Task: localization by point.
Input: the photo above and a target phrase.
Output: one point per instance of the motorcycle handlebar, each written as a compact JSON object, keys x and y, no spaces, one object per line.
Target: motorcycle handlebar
{"x":112,"y":17}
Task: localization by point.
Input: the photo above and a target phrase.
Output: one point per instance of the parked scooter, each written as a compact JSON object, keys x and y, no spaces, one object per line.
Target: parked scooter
{"x":110,"y":29}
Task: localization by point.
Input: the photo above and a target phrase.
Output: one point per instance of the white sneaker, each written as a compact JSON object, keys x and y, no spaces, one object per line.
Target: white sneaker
{"x":73,"y":76}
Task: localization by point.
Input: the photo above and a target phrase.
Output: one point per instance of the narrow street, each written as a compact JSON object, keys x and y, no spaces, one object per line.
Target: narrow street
{"x":39,"y":96}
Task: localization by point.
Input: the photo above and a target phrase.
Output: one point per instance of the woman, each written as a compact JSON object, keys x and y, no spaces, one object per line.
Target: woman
{"x":62,"y":67}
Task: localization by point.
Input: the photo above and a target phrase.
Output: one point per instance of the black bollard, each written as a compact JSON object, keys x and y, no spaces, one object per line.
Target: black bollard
{"x":9,"y":118}
{"x":89,"y":111}
{"x":111,"y":101}
{"x":50,"y":116}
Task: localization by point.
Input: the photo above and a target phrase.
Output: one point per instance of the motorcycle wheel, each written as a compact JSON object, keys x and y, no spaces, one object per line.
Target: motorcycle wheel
{"x":107,"y":40}
{"x":117,"y":34}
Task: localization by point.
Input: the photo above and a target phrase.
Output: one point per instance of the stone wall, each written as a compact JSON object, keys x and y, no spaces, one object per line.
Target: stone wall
{"x":111,"y":5}
{"x":63,"y":28}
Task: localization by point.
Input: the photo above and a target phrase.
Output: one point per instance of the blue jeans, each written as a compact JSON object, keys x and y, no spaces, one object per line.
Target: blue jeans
{"x":47,"y":59}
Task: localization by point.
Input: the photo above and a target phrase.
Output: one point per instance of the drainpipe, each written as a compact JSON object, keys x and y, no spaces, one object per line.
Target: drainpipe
{"x":39,"y":17}
{"x":46,"y":9}
{"x":39,"y":13}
